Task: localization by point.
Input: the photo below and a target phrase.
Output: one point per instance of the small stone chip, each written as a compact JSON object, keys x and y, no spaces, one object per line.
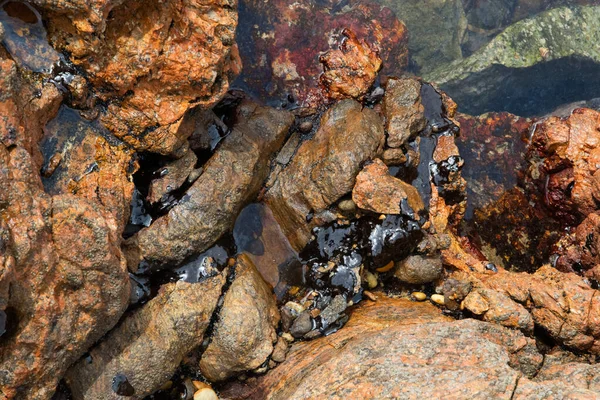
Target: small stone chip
{"x":419,"y":296}
{"x":438,"y":299}
{"x":121,"y":386}
{"x":205,"y":394}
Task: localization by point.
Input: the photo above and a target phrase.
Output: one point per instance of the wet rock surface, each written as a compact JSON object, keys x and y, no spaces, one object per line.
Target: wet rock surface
{"x":145,"y":64}
{"x":245,"y":334}
{"x":148,"y":345}
{"x":511,"y":64}
{"x":324,"y":168}
{"x":355,"y":37}
{"x":235,"y":172}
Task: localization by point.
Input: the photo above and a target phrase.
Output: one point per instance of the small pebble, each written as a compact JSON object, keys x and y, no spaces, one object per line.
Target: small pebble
{"x":347,"y":205}
{"x":370,"y":295}
{"x":288,"y":337}
{"x":306,"y":126}
{"x":437,"y":299}
{"x":386,"y":267}
{"x":315,"y":312}
{"x":205,"y":394}
{"x":419,"y":296}
{"x":371,"y":279}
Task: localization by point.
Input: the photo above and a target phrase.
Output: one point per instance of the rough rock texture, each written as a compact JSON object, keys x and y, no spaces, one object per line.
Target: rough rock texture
{"x":245,"y":335}
{"x":231,"y":178}
{"x":418,"y":269}
{"x":150,"y":61}
{"x":173,"y":175}
{"x":436,"y":28}
{"x":68,"y":279}
{"x":25,"y":107}
{"x":376,"y":190}
{"x":403,"y":110}
{"x":350,"y":70}
{"x":281,"y":41}
{"x":80,"y":157}
{"x":520,"y":57}
{"x":389,"y":348}
{"x":148,"y":345}
{"x":324,"y":168}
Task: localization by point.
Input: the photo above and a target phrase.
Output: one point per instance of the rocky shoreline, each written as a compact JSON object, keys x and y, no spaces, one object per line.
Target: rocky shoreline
{"x":300,"y":216}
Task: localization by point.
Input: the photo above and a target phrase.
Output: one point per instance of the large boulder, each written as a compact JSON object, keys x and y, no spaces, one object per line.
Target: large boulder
{"x":390,"y":348}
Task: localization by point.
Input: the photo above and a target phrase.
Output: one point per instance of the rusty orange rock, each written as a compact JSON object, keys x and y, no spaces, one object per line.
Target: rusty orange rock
{"x":151,"y":62}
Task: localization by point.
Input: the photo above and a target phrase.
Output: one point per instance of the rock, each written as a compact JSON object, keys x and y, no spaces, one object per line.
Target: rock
{"x":324,"y":168}
{"x":376,"y":190}
{"x":403,"y":110}
{"x":244,"y":335}
{"x":61,"y":259}
{"x":274,"y":48}
{"x":513,"y":63}
{"x":418,"y":269}
{"x":436,"y":29}
{"x":150,"y":61}
{"x":26,"y":106}
{"x":205,"y":394}
{"x":148,"y":345}
{"x":350,"y":70}
{"x":302,"y":325}
{"x":393,"y":157}
{"x":173,"y":176}
{"x":419,"y":296}
{"x":408,"y":343}
{"x":231,"y":178}
{"x":437,"y":299}
{"x":93,"y":164}
{"x":280,"y":350}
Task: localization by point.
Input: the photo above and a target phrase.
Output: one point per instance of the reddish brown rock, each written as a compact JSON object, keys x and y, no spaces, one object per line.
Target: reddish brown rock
{"x":26,"y":105}
{"x":376,"y":190}
{"x":389,"y":348}
{"x":67,"y":277}
{"x":282,"y":42}
{"x":151,"y":62}
{"x":324,"y":168}
{"x":231,"y":179}
{"x":350,"y":70}
{"x":245,"y":335}
{"x":403,"y":110}
{"x":148,"y":345}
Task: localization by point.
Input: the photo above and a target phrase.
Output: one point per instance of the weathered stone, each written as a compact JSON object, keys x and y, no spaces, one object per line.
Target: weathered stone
{"x":418,"y":269}
{"x":376,"y":190}
{"x":150,"y":61}
{"x":245,"y":335}
{"x":25,"y":107}
{"x":403,"y":110}
{"x":389,"y":348}
{"x":350,"y":70}
{"x":274,"y":48}
{"x":67,"y":276}
{"x":148,"y":345}
{"x":324,"y":168}
{"x":173,"y":175}
{"x":231,"y":178}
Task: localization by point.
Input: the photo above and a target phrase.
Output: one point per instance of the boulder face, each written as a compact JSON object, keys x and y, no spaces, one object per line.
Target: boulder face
{"x":389,"y":348}
{"x":231,"y":179}
{"x":68,"y":281}
{"x":324,"y":168}
{"x":149,"y":61}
